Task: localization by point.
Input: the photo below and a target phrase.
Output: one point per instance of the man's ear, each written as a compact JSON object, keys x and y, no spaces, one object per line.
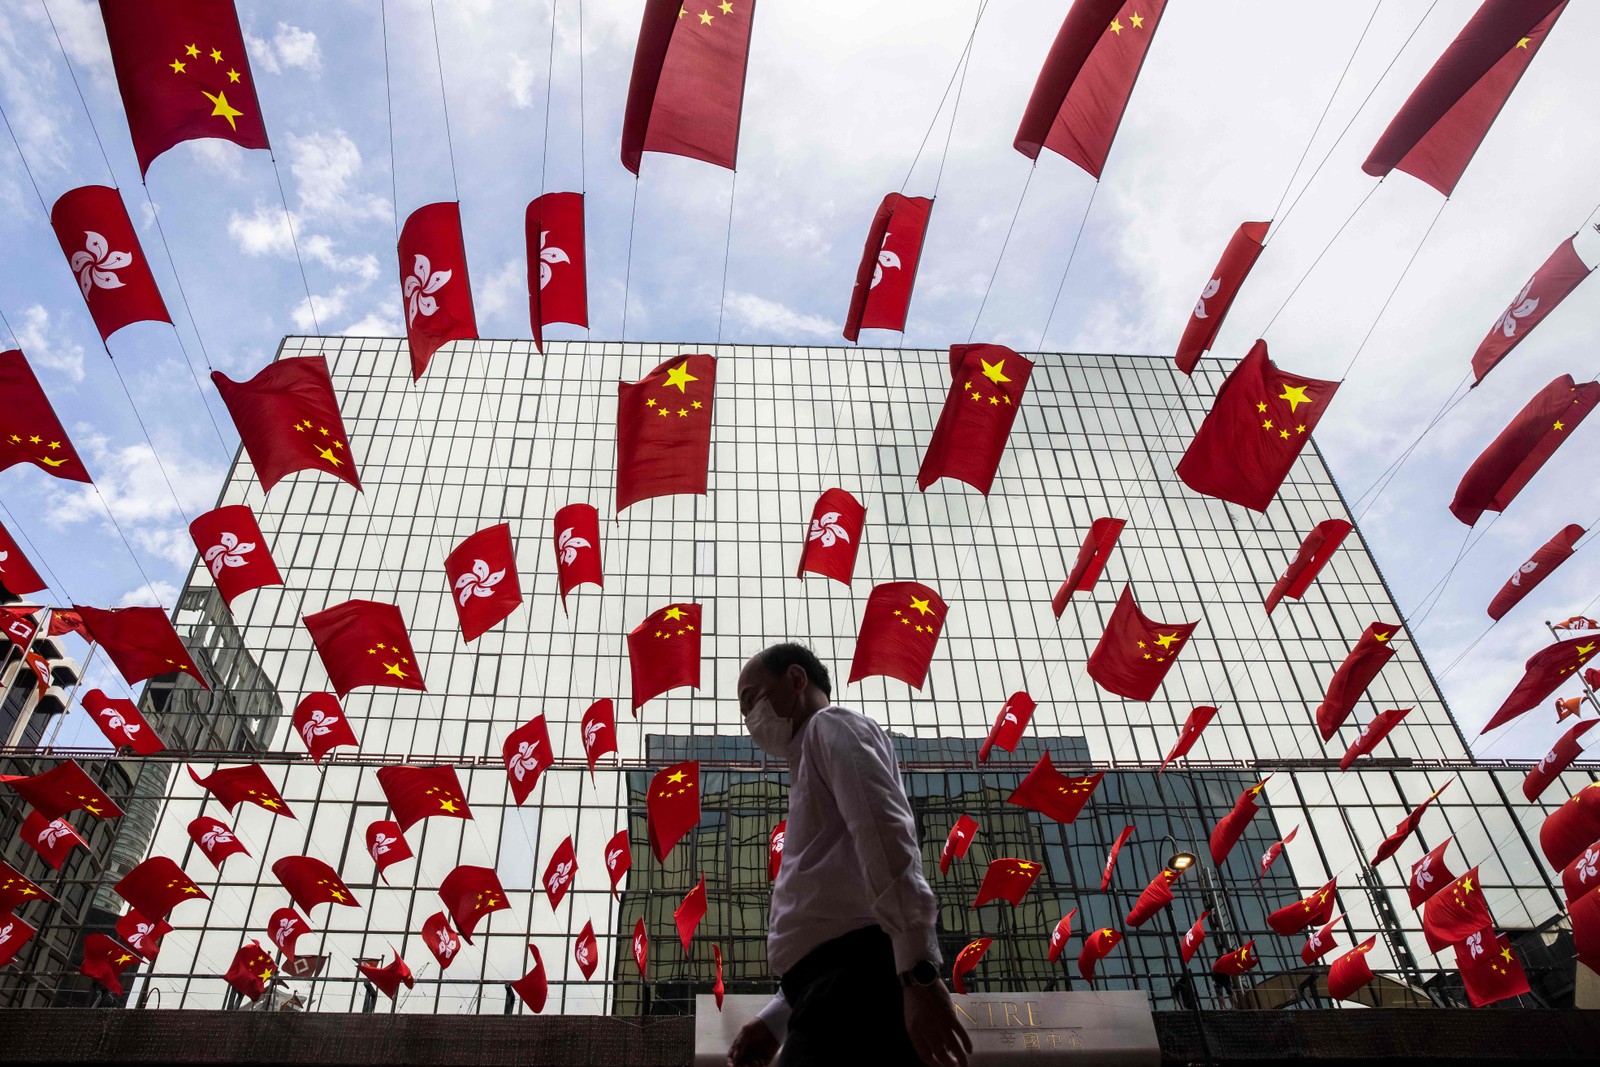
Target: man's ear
{"x":799,"y":680}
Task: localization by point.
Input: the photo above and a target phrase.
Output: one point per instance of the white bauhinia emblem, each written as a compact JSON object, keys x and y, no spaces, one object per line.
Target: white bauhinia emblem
{"x":478,"y":581}
{"x":1266,"y":859}
{"x":229,"y":552}
{"x":1316,"y":941}
{"x":140,"y":932}
{"x":115,"y":721}
{"x":447,"y":944}
{"x":583,"y":953}
{"x":560,"y":876}
{"x":887,"y":259}
{"x":1527,"y":568}
{"x":1475,"y":943}
{"x":827,"y":530}
{"x":320,"y":724}
{"x":567,"y":546}
{"x":1588,"y":864}
{"x":591,"y":732}
{"x":1549,"y":758}
{"x":1424,"y":876}
{"x":1523,"y":306}
{"x":548,"y":257}
{"x":283,"y":932}
{"x":215,"y":838}
{"x":420,"y":287}
{"x":5,"y":932}
{"x":638,"y":946}
{"x":1055,"y":936}
{"x":380,"y":844}
{"x":53,"y":833}
{"x":523,"y":760}
{"x":97,"y":265}
{"x":612,"y":857}
{"x":1213,"y":287}
{"x":777,"y":841}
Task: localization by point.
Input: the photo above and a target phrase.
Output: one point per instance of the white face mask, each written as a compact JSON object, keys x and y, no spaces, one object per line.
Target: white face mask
{"x":770,"y":733}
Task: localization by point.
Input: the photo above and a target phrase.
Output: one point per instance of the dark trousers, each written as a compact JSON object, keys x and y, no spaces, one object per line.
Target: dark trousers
{"x":846,"y":1006}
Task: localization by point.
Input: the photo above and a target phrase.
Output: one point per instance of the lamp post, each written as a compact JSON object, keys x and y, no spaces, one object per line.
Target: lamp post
{"x":1178,"y":862}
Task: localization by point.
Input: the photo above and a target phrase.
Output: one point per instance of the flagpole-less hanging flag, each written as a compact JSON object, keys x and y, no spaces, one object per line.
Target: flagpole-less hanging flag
{"x":534,"y":987}
{"x":599,"y":731}
{"x":1440,"y":126}
{"x":1270,"y":856}
{"x":1542,"y":675}
{"x":1135,"y":652}
{"x":619,"y":857}
{"x":322,"y":725}
{"x":1406,"y":827}
{"x":1550,"y":284}
{"x":528,"y":754}
{"x":288,"y":420}
{"x":215,"y":839}
{"x":434,"y":288}
{"x":1049,"y":792}
{"x":233,"y":548}
{"x":664,"y":652}
{"x":664,"y":430}
{"x":687,"y":915}
{"x":1569,"y":830}
{"x":104,"y":961}
{"x":775,"y":850}
{"x":559,"y":872}
{"x":1455,"y":912}
{"x":1156,"y":895}
{"x":834,"y":536}
{"x":1372,"y":650}
{"x":900,"y":628}
{"x":686,"y":96}
{"x":1490,"y":970}
{"x":1513,"y":458}
{"x":973,"y":428}
{"x":120,"y":720}
{"x":364,"y":642}
{"x":29,"y":429}
{"x":442,"y":941}
{"x":157,"y":885}
{"x":672,"y":807}
{"x":141,"y":642}
{"x":1314,"y":552}
{"x":141,"y":934}
{"x":481,"y":573}
{"x":888,"y":269}
{"x":310,"y":882}
{"x":390,"y":977}
{"x":1552,"y":554}
{"x":558,"y":287}
{"x":1231,"y":826}
{"x":14,"y":933}
{"x":1192,"y":940}
{"x":1351,"y":971}
{"x":1429,"y":874}
{"x":1193,"y":726}
{"x":1314,"y":910}
{"x":52,"y":838}
{"x":1092,"y":556}
{"x":417,"y":793}
{"x":1558,"y":759}
{"x":1096,"y":947}
{"x":386,"y":844}
{"x":1059,"y":936}
{"x":233,"y":786}
{"x":1244,"y":248}
{"x":101,"y":247}
{"x":1320,"y":943}
{"x":577,"y":543}
{"x":1006,"y":879}
{"x":1111,"y":857}
{"x":1009,"y":725}
{"x":1236,"y":963}
{"x":1375,"y":731}
{"x":285,"y":928}
{"x":957,"y":842}
{"x":17,"y":575}
{"x":966,"y":960}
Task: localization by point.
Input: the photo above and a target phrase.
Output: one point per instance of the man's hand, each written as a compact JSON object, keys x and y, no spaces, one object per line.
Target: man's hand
{"x":754,"y":1047}
{"x":936,"y":1034}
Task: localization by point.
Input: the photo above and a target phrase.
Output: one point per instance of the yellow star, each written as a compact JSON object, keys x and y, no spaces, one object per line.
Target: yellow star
{"x":124,"y":958}
{"x":1024,"y":865}
{"x":673,"y":614}
{"x":1283,"y":434}
{"x":265,"y":975}
{"x":1524,"y":42}
{"x":192,"y":50}
{"x":55,"y":444}
{"x":662,"y":413}
{"x":1166,"y":640}
{"x":1261,"y":405}
{"x":680,"y":376}
{"x":922,"y":606}
{"x":675,"y":777}
{"x":1295,"y":395}
{"x":1466,"y":884}
{"x":995,"y":400}
{"x":327,"y":454}
{"x":448,"y":805}
{"x":323,"y":430}
{"x":695,"y":404}
{"x":233,"y":75}
{"x":1116,"y":27}
{"x":1299,"y":429}
{"x":216,"y":55}
{"x":727,"y":8}
{"x":1505,"y":954}
{"x":1380,"y":637}
{"x":394,"y":669}
{"x":977,"y":396}
{"x":222,"y":107}
{"x":1137,"y":20}
{"x":995,"y":371}
{"x":683,"y":413}
{"x":1584,"y":650}
{"x":177,"y":66}
{"x":705,"y":18}
{"x":1559,"y":425}
{"x":35,"y":439}
{"x":270,"y":802}
{"x":650,"y":403}
{"x":1267,"y":425}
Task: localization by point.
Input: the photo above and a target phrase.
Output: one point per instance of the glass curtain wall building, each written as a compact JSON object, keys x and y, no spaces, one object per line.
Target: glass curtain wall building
{"x":495,"y":432}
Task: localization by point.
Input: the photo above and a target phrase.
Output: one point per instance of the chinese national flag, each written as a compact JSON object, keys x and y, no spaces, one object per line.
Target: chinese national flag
{"x":232,"y":546}
{"x":322,"y":725}
{"x":481,"y":573}
{"x":311,"y":882}
{"x":103,"y":251}
{"x":1111,"y":857}
{"x":433,"y":283}
{"x":599,"y":729}
{"x":1558,"y":759}
{"x":119,"y":719}
{"x":1374,"y":732}
{"x":417,"y":793}
{"x":364,"y":642}
{"x":888,"y":270}
{"x":1135,"y":652}
{"x":1257,"y":426}
{"x":288,"y":420}
{"x":183,"y":73}
{"x":619,"y":857}
{"x":141,"y":934}
{"x":986,"y":387}
{"x":899,"y":630}
{"x":641,"y":948}
{"x":559,"y":872}
{"x":1048,"y":791}
{"x":556,"y":258}
{"x":1351,"y":971}
{"x":1236,"y":963}
{"x":1320,"y":943}
{"x":1429,"y":875}
{"x":14,"y":933}
{"x":1078,"y":101}
{"x":17,"y":575}
{"x":1244,"y":248}
{"x":104,"y":960}
{"x":775,"y":849}
{"x":1549,"y":285}
{"x":533,"y":987}
{"x":833,"y":537}
{"x":65,"y":621}
{"x":577,"y":541}
{"x":53,"y":839}
{"x":1359,"y":668}
{"x":1455,"y":912}
{"x":1192,"y":940}
{"x":29,"y":429}
{"x":664,"y":430}
{"x":1231,"y":826}
{"x":957,"y":842}
{"x":687,"y":915}
{"x":390,"y":977}
{"x":1006,"y":879}
{"x":1008,"y":725}
{"x":1512,"y":459}
{"x":1097,"y":546}
{"x":140,"y":641}
{"x":1193,"y":726}
{"x":284,"y":927}
{"x":1315,"y":551}
{"x":469,"y":893}
{"x":1568,"y":830}
{"x":1156,"y":895}
{"x":1552,"y":554}
{"x":235,"y":785}
{"x":687,"y":91}
{"x":157,"y":885}
{"x":215,"y":839}
{"x":1059,"y":936}
{"x":1542,"y":675}
{"x":672,"y":807}
{"x":1096,"y":947}
{"x":1270,"y":856}
{"x":16,"y":889}
{"x":63,"y":788}
{"x":1312,"y":911}
{"x":664,"y":652}
{"x":1405,"y":828}
{"x":251,"y":971}
{"x":442,"y":941}
{"x":1489,"y":968}
{"x":965,"y":961}
{"x":386,"y":844}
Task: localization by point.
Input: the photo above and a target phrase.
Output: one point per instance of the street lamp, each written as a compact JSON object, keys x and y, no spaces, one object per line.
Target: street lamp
{"x":1180,"y":861}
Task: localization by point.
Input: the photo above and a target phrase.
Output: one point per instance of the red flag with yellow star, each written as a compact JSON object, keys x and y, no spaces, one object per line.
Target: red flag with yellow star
{"x":1239,"y":961}
{"x":1260,"y":421}
{"x":1351,"y":971}
{"x":987,"y":383}
{"x":251,"y":971}
{"x":215,"y":839}
{"x":29,"y":429}
{"x":1009,"y":724}
{"x":664,"y":430}
{"x":469,"y":893}
{"x":1490,"y":970}
{"x":52,"y":838}
{"x":63,"y":788}
{"x":1156,"y":895}
{"x":433,"y":282}
{"x":686,"y":96}
{"x":1559,"y":758}
{"x":311,"y":882}
{"x":899,"y":631}
{"x":558,"y":287}
{"x":1136,"y":652}
{"x":1406,"y":827}
{"x":664,"y":652}
{"x":672,"y":808}
{"x":965,"y":961}
{"x":1512,"y":459}
{"x":1373,"y":733}
{"x":1550,"y":555}
{"x":1572,"y":827}
{"x":1550,"y":285}
{"x":16,"y":889}
{"x":183,"y":73}
{"x":288,"y":420}
{"x":1455,"y":912}
{"x":1199,"y":718}
{"x":481,"y":573}
{"x":102,"y":248}
{"x":1078,"y":101}
{"x":233,"y":548}
{"x":528,"y":754}
{"x":104,"y":960}
{"x":1315,"y":551}
{"x":1006,"y":879}
{"x":157,"y":885}
{"x":1092,"y":556}
{"x":1096,"y":947}
{"x":364,"y":642}
{"x":888,"y":269}
{"x":1049,"y":792}
{"x":235,"y":785}
{"x":417,"y":793}
{"x":1231,"y":826}
{"x":1542,"y":675}
{"x":1373,"y":649}
{"x":140,"y":642}
{"x":1244,"y":248}
{"x":1314,"y":910}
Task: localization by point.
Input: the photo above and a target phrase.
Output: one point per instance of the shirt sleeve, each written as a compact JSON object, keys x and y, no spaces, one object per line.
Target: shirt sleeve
{"x":776,"y":1015}
{"x":859,"y":768}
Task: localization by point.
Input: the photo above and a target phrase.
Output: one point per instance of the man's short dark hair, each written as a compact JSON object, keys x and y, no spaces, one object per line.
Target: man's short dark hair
{"x":779,"y":658}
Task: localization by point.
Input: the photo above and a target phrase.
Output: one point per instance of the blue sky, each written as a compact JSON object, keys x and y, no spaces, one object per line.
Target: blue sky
{"x":838,"y":100}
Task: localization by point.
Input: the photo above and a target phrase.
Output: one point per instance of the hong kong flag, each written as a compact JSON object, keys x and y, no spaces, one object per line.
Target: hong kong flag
{"x":1009,"y":725}
{"x":386,"y":844}
{"x":775,"y":849}
{"x":417,"y":793}
{"x":686,"y":95}
{"x":482,"y":575}
{"x":157,"y":885}
{"x":1244,"y":248}
{"x":1542,"y":675}
{"x":619,"y":857}
{"x":103,"y":250}
{"x":1111,"y":857}
{"x":1489,"y":968}
{"x":641,"y":948}
{"x":1097,"y":546}
{"x":1429,"y":875}
{"x":364,"y":642}
{"x":888,"y":269}
{"x":54,"y":839}
{"x":29,"y":429}
{"x":1568,"y":830}
{"x":1351,"y":971}
{"x":1156,"y":895}
{"x":15,"y":889}
{"x":577,"y":541}
{"x":558,"y":287}
{"x":1552,"y":554}
{"x":20,"y":627}
{"x":1231,"y":826}
{"x":599,"y":729}
{"x":672,"y":807}
{"x":687,"y":915}
{"x":1136,"y":652}
{"x":1312,"y":911}
{"x":1549,"y":285}
{"x":1558,"y":759}
{"x":251,"y":971}
{"x":442,"y":941}
{"x":1455,"y":912}
{"x":664,"y":652}
{"x":533,"y":987}
{"x":141,"y":934}
{"x":120,"y":720}
{"x":834,"y":536}
{"x":140,"y":642}
{"x":1360,"y":667}
{"x":469,"y":893}
{"x":1320,"y":943}
{"x":323,"y":725}
{"x":288,"y":420}
{"x":1193,"y":727}
{"x":215,"y":839}
{"x":311,"y":882}
{"x":1512,"y":459}
{"x":233,"y":548}
{"x":104,"y":960}
{"x":14,"y":933}
{"x":284,"y":927}
{"x":664,"y":430}
{"x":1238,"y":962}
{"x":899,"y":631}
{"x":1006,"y":879}
{"x":63,"y":788}
{"x":1192,"y":940}
{"x":1582,"y":874}
{"x":966,"y":960}
{"x":1314,"y":552}
{"x":17,"y":575}
{"x":1374,"y":732}
{"x":559,"y":872}
{"x":390,"y":977}
{"x":527,"y":754}
{"x":1270,"y":856}
{"x":1406,"y":827}
{"x":957,"y":842}
{"x":1059,"y":936}
{"x":236,"y":785}
{"x":1048,"y":791}
{"x":1096,"y":947}
{"x":986,"y":388}
{"x":433,"y":282}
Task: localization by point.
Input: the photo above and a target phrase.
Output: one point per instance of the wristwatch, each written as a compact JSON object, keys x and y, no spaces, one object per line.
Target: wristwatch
{"x":923,"y":974}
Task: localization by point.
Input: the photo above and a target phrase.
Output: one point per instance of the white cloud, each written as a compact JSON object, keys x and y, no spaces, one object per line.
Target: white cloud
{"x":265,"y":232}
{"x":503,"y":290}
{"x":379,"y":322}
{"x":770,"y":318}
{"x":326,"y":167}
{"x":290,"y":46}
{"x":520,"y":84}
{"x":47,"y":347}
{"x":326,"y":305}
{"x":158,"y":594}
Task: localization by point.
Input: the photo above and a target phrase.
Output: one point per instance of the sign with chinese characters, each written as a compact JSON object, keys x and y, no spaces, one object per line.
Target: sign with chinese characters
{"x":1113,"y":1027}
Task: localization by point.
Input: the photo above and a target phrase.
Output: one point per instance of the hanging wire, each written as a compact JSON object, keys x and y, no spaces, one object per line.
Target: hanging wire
{"x":1342,"y":226}
{"x":549,"y":86}
{"x":959,"y":70}
{"x":727,"y":249}
{"x":1072,"y":255}
{"x":1394,"y":290}
{"x":388,"y":97}
{"x":449,"y":144}
{"x":294,"y":242}
{"x":627,"y":273}
{"x":1001,"y":257}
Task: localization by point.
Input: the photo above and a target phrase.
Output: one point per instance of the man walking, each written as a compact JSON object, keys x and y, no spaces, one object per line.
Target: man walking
{"x":851,"y":933}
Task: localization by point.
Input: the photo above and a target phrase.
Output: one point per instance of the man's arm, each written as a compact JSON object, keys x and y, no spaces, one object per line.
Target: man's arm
{"x":758,"y":1040}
